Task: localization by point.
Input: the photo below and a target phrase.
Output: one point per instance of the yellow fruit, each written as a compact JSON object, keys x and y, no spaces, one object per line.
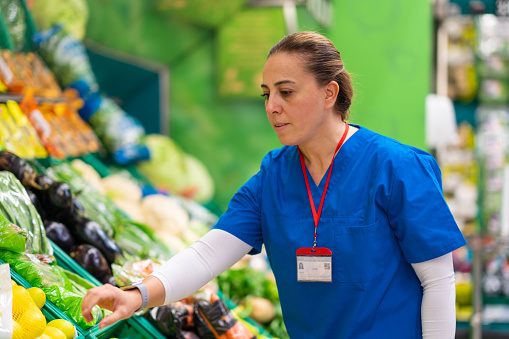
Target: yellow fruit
{"x":13,"y":283}
{"x":32,"y":321}
{"x":44,"y":336}
{"x":21,"y":299}
{"x":54,"y":333}
{"x":64,"y":326}
{"x":17,"y":331}
{"x":38,"y":296}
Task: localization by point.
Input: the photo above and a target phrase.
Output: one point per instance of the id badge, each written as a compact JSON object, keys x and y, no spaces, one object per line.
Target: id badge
{"x":314,"y":264}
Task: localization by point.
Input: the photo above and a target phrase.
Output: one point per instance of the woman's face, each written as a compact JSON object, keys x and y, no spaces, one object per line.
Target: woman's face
{"x":295,"y":104}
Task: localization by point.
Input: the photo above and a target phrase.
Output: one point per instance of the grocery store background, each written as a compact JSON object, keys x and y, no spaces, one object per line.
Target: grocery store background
{"x":171,"y":90}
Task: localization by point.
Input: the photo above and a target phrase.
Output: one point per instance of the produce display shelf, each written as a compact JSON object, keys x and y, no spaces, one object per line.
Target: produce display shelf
{"x":68,"y":263}
{"x":49,"y":310}
{"x":18,"y":97}
{"x":128,"y":328}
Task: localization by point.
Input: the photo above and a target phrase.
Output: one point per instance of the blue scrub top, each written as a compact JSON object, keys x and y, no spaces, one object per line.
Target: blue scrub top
{"x":384,"y":209}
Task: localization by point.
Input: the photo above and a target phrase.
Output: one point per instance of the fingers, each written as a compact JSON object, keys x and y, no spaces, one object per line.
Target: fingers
{"x":102,"y":295}
{"x":113,"y":318}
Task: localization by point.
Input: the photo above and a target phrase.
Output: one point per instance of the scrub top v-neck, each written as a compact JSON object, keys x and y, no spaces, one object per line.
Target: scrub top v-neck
{"x":384,"y":209}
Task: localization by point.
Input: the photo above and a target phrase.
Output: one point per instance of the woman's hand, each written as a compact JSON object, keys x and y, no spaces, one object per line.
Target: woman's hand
{"x":123,"y":304}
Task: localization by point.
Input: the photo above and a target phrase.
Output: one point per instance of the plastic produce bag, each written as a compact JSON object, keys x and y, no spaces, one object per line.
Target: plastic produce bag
{"x":12,"y":237}
{"x":214,"y":320}
{"x":66,"y":57}
{"x":69,"y":302}
{"x":36,"y":272}
{"x":120,"y":132}
{"x":5,"y":302}
{"x":174,"y":320}
{"x":15,"y":205}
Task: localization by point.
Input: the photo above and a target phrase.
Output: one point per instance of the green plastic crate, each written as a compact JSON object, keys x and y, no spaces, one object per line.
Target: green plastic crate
{"x":5,"y":39}
{"x":49,"y":310}
{"x":123,"y":329}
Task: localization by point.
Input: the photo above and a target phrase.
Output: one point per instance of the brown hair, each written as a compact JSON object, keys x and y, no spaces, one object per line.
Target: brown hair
{"x":323,"y":60}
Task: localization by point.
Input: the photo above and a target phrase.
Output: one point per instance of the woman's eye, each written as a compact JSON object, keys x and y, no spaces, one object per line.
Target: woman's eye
{"x":286,"y":93}
{"x":266,"y":95}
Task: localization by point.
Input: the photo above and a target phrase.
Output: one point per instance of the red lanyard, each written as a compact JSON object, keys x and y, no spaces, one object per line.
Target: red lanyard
{"x":316,"y":215}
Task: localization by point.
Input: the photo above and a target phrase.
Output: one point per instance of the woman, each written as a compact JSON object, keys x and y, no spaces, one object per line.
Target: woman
{"x":362,"y":250}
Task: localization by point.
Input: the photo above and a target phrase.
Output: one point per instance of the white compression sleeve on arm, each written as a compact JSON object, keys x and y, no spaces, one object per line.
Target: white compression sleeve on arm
{"x":192,"y":268}
{"x":438,"y":310}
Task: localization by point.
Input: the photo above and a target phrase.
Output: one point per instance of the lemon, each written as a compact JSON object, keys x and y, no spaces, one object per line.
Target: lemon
{"x":32,"y":321}
{"x":38,"y":296}
{"x":64,"y":326}
{"x":17,"y":331}
{"x":54,"y":333}
{"x":20,"y":301}
{"x":13,"y":283}
{"x":44,"y":336}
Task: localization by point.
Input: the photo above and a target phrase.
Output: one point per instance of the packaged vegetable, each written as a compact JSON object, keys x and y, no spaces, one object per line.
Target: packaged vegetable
{"x":174,"y":320}
{"x":31,"y":137}
{"x":49,"y":136}
{"x":12,"y":237}
{"x":120,"y":132}
{"x":6,"y":303}
{"x":66,"y":57}
{"x":54,"y":282}
{"x":35,"y":271}
{"x":15,"y":205}
{"x":214,"y":320}
{"x":18,"y":142}
{"x":7,"y":75}
{"x":69,"y":302}
{"x":49,"y":86}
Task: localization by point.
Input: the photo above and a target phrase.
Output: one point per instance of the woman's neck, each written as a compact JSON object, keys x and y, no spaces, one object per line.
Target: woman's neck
{"x":319,"y":152}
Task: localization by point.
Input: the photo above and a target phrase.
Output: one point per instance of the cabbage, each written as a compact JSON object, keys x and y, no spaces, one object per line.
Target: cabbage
{"x":170,"y":168}
{"x":71,"y":14}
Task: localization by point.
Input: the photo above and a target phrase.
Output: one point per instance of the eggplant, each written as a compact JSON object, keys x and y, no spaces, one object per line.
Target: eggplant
{"x":55,"y":198}
{"x":21,"y":169}
{"x":37,"y":204}
{"x":60,"y":195}
{"x":92,"y":260}
{"x":43,"y":181}
{"x":89,"y":232}
{"x":60,"y":235}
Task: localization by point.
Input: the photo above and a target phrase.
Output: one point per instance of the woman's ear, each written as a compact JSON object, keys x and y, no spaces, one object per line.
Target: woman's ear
{"x":331,"y":93}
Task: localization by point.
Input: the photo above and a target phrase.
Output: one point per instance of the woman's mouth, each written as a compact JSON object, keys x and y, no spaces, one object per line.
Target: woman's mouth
{"x":280,"y":125}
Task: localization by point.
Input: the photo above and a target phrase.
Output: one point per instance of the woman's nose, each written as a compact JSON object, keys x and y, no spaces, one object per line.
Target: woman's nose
{"x":272,"y":106}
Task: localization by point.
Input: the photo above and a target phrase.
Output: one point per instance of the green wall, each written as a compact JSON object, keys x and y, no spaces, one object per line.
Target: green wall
{"x":387,"y":45}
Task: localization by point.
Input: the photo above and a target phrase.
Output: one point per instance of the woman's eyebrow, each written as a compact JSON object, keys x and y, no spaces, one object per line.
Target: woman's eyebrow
{"x":279,"y":83}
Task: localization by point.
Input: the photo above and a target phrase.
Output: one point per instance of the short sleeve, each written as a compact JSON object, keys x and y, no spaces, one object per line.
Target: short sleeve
{"x":243,"y":217}
{"x":418,"y":212}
